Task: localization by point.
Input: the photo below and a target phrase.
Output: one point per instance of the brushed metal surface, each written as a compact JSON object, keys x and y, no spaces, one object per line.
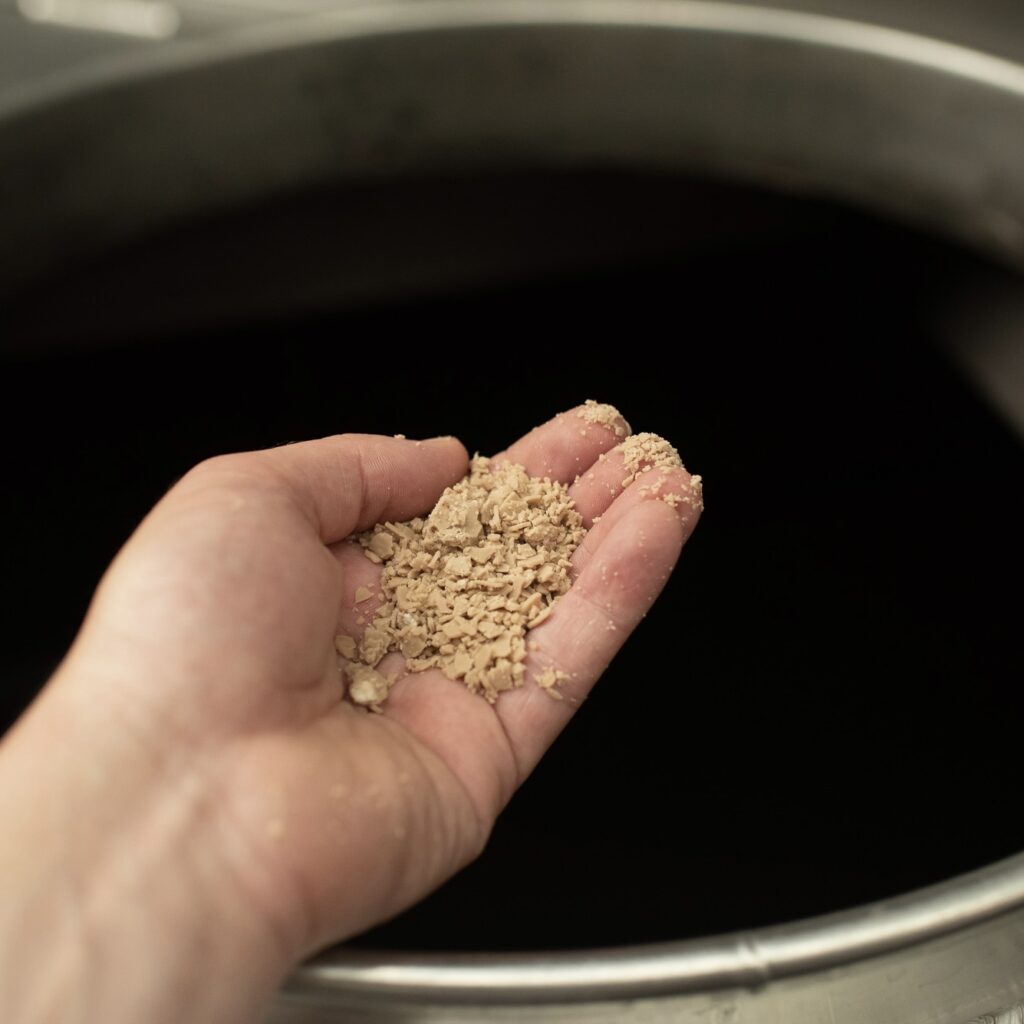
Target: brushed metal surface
{"x":945,"y":980}
{"x":919,"y":127}
{"x":986,"y":905}
{"x":913,"y":110}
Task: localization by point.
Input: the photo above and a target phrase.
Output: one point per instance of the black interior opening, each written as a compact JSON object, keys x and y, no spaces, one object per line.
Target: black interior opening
{"x":823,"y":709}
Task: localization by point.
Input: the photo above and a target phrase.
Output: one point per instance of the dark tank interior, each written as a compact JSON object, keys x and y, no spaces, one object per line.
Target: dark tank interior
{"x":823,"y":709}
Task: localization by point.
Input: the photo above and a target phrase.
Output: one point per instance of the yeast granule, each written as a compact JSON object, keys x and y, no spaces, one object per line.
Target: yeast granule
{"x":461,"y":588}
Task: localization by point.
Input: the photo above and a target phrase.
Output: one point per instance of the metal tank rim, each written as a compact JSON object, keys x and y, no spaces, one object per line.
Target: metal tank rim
{"x":383,"y":17}
{"x":740,"y":959}
{"x":748,"y":959}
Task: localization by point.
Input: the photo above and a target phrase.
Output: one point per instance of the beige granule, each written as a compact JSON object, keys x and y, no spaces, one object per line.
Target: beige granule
{"x":605,"y":416}
{"x":460,"y":588}
{"x":549,"y":679}
{"x":345,"y":646}
{"x":366,"y":685}
{"x":645,"y":452}
{"x":694,"y":496}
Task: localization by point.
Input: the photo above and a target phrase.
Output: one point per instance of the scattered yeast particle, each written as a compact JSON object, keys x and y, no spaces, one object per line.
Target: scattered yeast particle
{"x":696,"y":497}
{"x":549,"y":679}
{"x":367,"y":687}
{"x":345,"y":646}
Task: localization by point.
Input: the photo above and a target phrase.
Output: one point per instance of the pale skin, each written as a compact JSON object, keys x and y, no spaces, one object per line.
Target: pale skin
{"x":189,"y":808}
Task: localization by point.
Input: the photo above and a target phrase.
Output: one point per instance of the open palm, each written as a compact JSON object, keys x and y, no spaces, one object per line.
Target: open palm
{"x":211,"y":641}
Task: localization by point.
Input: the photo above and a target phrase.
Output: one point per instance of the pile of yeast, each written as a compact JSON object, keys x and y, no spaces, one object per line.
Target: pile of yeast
{"x":460,"y":589}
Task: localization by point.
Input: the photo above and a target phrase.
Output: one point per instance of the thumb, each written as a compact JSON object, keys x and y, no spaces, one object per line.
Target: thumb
{"x":349,"y":482}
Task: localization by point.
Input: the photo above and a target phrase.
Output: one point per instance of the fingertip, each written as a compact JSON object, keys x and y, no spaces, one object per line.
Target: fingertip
{"x":568,"y":444}
{"x":678,"y":490}
{"x":444,"y":458}
{"x":348,"y":482}
{"x":448,"y":444}
{"x":604,"y":416}
{"x":456,"y":459}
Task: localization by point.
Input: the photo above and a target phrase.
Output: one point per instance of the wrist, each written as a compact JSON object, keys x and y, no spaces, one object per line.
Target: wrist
{"x":120,"y":899}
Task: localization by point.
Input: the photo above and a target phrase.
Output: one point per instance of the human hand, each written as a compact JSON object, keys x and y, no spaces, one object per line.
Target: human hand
{"x":213,"y":808}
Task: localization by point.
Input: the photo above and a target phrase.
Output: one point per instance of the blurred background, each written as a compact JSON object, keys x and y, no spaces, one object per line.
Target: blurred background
{"x":823,"y":709}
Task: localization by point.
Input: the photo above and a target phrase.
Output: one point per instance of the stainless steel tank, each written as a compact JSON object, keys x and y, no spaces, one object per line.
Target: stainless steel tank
{"x":117,"y":118}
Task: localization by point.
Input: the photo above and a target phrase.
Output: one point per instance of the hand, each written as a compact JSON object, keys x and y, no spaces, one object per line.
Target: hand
{"x":189,"y":808}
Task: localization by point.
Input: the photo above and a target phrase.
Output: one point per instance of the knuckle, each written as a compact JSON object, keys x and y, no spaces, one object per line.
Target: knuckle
{"x":233,"y":472}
